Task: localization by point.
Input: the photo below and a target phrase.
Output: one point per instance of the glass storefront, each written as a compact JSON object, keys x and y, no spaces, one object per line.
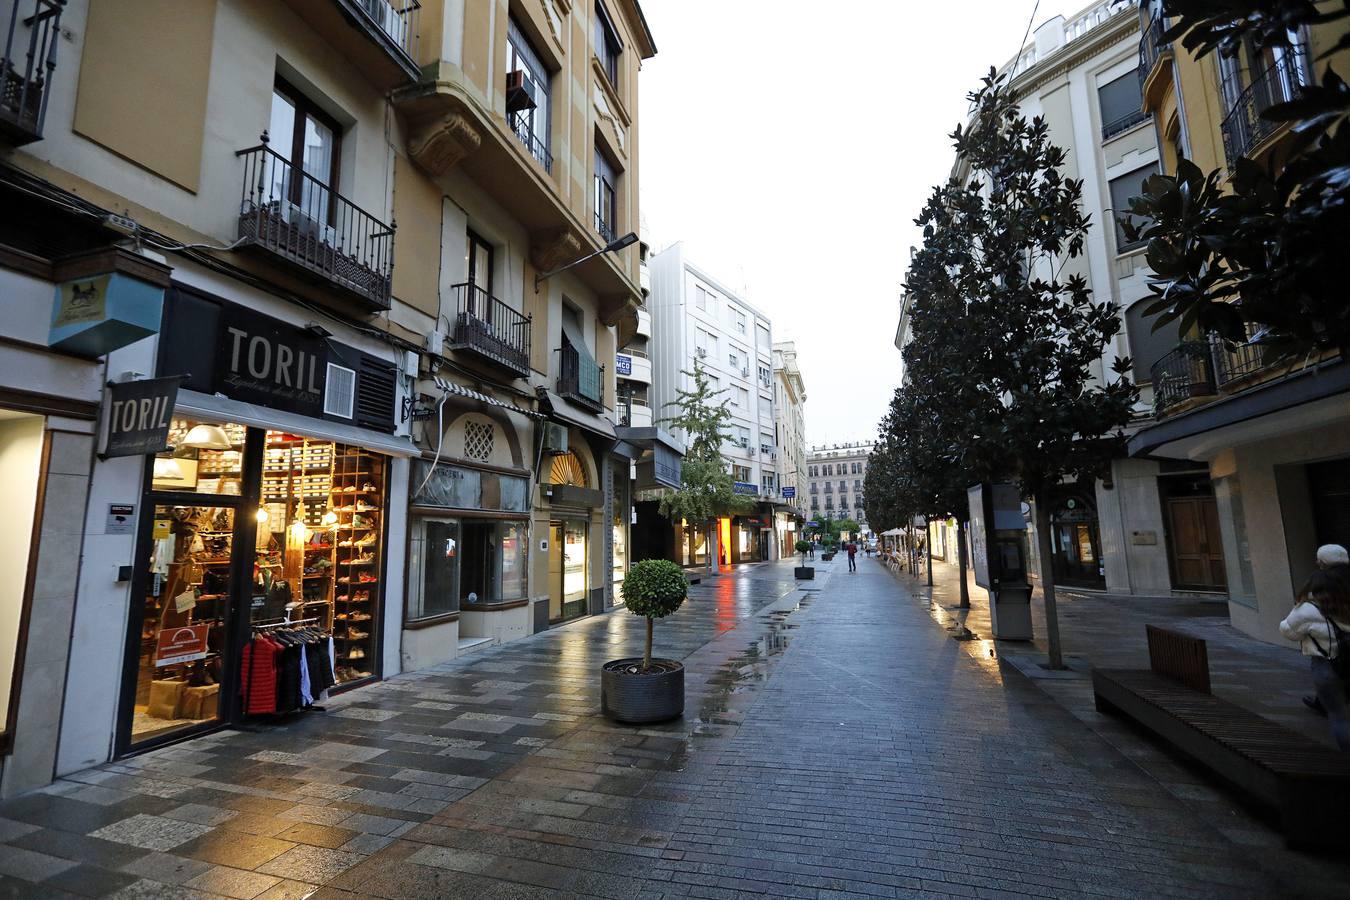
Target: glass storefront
{"x":464,"y":562}
{"x":619,"y":519}
{"x":258,"y":541}
{"x":567,"y":569}
{"x":21,"y":441}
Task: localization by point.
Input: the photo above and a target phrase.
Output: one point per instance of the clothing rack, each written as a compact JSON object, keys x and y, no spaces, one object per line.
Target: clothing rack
{"x":283,"y":623}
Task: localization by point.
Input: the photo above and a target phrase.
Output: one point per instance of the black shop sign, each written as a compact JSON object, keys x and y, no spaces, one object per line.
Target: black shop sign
{"x":224,"y":348}
{"x":138,"y":415}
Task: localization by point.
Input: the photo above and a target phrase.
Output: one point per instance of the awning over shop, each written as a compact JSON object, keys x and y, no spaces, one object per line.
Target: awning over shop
{"x":215,"y":408}
{"x":459,"y":390}
{"x":567,"y":412}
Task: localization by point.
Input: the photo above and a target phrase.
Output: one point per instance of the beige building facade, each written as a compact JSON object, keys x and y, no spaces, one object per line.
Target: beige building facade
{"x":348,"y":232}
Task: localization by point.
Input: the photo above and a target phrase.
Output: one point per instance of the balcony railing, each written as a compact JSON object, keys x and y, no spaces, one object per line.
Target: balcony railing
{"x":1244,"y":127}
{"x":626,"y":405}
{"x":580,"y":379}
{"x":488,"y":327}
{"x":1151,"y":45}
{"x":1124,"y":123}
{"x":26,"y":68}
{"x":523,"y":125}
{"x":397,"y":20}
{"x":1235,"y":361}
{"x":1182,"y":374}
{"x":298,"y":218}
{"x":604,"y":228}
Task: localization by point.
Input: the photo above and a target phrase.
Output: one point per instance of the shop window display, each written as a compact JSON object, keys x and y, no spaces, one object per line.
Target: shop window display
{"x":309,"y":543}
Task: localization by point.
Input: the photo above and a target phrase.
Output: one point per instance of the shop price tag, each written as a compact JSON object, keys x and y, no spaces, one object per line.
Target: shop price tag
{"x":179,"y":645}
{"x":163,"y":528}
{"x":185,"y":601}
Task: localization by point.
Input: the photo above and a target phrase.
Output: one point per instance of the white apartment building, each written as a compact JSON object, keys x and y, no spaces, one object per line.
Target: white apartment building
{"x":789,"y":403}
{"x":695,"y":317}
{"x":834,"y":480}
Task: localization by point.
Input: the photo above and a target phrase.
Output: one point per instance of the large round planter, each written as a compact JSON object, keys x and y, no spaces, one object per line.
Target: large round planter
{"x":630,"y":695}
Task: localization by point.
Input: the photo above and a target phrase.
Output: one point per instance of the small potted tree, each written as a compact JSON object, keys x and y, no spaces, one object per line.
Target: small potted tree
{"x":638,"y":691}
{"x":804,"y":572}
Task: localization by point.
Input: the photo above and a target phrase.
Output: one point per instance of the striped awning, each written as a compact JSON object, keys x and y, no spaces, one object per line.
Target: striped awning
{"x":459,"y":390}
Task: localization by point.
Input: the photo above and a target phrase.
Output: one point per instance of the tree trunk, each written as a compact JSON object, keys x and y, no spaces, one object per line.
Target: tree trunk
{"x":713,"y":550}
{"x":647,"y":656}
{"x":1045,"y":552}
{"x":928,"y":542}
{"x":961,"y":553}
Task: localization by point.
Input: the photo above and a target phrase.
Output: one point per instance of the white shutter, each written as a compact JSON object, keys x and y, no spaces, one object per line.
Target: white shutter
{"x":339,"y":396}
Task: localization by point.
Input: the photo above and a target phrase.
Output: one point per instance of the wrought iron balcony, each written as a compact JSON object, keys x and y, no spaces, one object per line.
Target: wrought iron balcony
{"x":1151,"y":45}
{"x":299,"y":219}
{"x":604,"y":228}
{"x":1235,"y":361}
{"x":486,"y":326}
{"x":1244,"y":127}
{"x":1124,"y":123}
{"x":26,"y":68}
{"x":626,"y":405}
{"x":1181,"y":374}
{"x":580,"y":379}
{"x":522,"y":123}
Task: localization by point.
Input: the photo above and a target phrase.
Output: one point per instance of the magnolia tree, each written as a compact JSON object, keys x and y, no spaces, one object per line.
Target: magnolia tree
{"x":1016,"y":388}
{"x":706,"y":488}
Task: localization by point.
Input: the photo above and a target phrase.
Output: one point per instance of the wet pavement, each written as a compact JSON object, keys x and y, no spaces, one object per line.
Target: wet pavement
{"x":836,"y":743}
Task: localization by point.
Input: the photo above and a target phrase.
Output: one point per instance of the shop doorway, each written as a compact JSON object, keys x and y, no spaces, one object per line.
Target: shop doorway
{"x":1194,"y":543}
{"x":567,"y":570}
{"x":1076,"y":543}
{"x":478,"y":568}
{"x":253,"y":542}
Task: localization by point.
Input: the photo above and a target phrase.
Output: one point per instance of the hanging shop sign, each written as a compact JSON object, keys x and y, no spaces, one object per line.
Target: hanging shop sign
{"x":744,"y":487}
{"x":179,"y":645}
{"x":105,"y":300}
{"x":138,"y":416}
{"x":623,"y":364}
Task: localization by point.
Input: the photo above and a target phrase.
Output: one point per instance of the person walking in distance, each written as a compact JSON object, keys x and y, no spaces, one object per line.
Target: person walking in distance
{"x":1320,"y":622}
{"x":852,"y":556}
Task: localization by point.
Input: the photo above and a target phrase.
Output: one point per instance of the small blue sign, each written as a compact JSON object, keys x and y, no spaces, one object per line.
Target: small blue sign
{"x":623,"y":364}
{"x":789,"y":493}
{"x":744,"y":487}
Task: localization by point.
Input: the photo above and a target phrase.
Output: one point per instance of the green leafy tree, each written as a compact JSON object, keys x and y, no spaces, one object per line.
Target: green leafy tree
{"x":803,"y":547}
{"x":653,"y":589}
{"x":706,"y":488}
{"x":1033,"y":403}
{"x":1261,"y":255}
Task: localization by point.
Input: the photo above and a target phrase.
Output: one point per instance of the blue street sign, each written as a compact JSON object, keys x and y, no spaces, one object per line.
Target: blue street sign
{"x":623,"y":364}
{"x":789,"y":492}
{"x":744,"y":487}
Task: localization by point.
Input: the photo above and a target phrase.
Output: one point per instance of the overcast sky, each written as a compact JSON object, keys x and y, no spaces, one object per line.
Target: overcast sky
{"x":790,"y":144}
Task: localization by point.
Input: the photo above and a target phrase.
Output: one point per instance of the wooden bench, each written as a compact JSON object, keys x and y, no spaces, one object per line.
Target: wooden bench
{"x":1307,"y":784}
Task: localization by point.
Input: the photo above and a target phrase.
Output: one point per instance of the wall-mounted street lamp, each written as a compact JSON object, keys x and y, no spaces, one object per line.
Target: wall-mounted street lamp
{"x":617,"y":244}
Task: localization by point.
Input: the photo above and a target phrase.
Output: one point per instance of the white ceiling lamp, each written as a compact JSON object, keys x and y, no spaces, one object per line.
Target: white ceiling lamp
{"x":168,"y":469}
{"x":207,"y":437}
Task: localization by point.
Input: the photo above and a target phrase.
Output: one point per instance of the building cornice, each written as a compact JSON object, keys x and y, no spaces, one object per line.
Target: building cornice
{"x":1115,"y":30}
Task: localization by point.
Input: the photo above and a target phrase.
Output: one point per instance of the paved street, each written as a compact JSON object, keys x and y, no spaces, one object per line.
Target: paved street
{"x":837,"y":743}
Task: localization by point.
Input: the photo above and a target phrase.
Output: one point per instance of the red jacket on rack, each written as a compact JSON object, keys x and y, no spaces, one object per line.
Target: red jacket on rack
{"x":258,"y":686}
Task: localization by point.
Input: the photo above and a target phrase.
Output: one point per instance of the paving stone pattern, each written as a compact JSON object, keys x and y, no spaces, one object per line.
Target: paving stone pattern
{"x":836,"y":743}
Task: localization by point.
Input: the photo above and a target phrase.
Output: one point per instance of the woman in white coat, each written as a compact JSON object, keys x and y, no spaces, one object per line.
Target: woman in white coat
{"x":1323,"y":601}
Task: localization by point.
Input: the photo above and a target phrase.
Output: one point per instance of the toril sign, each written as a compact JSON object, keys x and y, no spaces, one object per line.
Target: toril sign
{"x":138,"y":415}
{"x":261,"y":360}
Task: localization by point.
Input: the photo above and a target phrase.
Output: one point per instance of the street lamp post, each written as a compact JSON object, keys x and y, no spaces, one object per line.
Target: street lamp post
{"x":617,"y":244}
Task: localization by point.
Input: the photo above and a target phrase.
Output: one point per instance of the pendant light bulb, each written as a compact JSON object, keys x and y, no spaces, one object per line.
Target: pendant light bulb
{"x":261,"y":515}
{"x":207,"y":437}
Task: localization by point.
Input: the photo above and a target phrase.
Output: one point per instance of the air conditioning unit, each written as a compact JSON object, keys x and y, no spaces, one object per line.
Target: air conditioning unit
{"x":745,"y":372}
{"x":555,"y":439}
{"x":701,"y":352}
{"x":518,"y":93}
{"x":294,"y":215}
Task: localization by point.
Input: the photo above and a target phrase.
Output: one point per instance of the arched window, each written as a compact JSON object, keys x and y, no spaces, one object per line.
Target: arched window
{"x":567,"y":469}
